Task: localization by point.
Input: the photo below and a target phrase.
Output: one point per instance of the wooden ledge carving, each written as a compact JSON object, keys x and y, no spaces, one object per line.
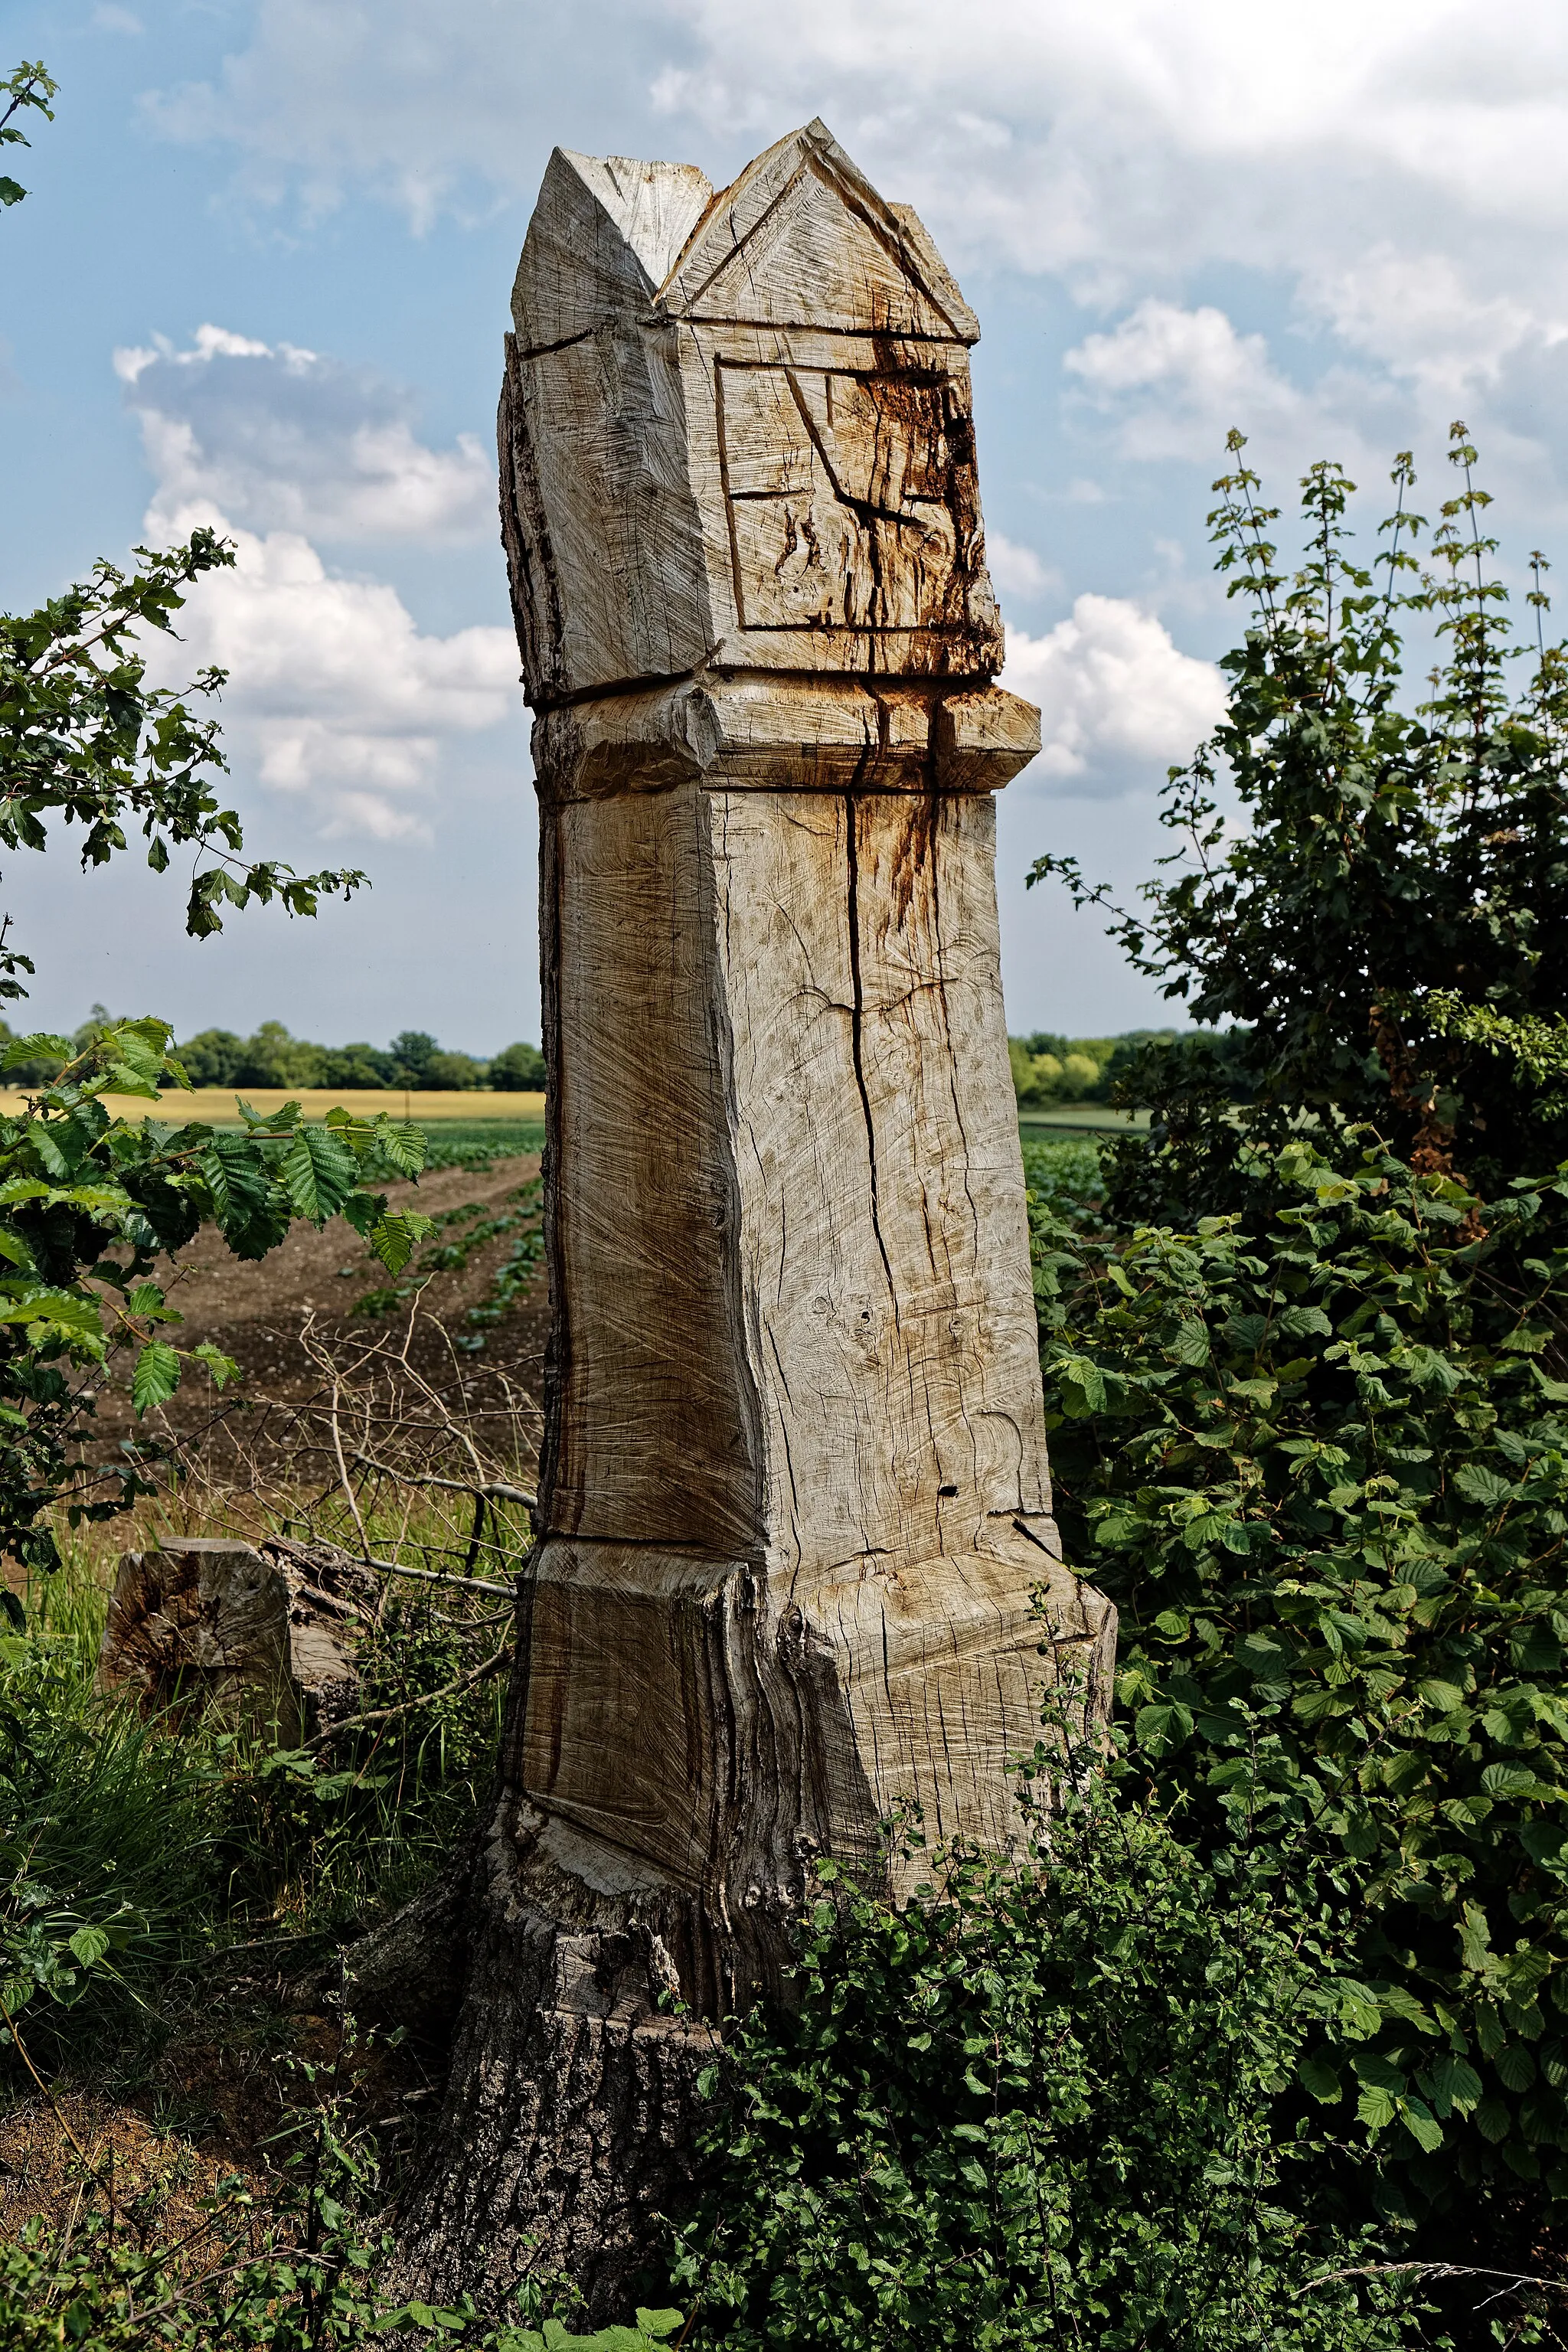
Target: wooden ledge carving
{"x":772,"y":734}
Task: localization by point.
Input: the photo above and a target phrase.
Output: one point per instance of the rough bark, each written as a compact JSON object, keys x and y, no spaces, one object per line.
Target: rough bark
{"x":797,"y":1566}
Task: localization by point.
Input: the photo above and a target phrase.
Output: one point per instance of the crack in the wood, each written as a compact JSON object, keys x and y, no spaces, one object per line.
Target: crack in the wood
{"x":856,"y":1009}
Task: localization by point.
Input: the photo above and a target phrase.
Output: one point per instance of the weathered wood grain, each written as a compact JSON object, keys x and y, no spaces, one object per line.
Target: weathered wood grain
{"x":210,"y":1624}
{"x":798,"y":1567}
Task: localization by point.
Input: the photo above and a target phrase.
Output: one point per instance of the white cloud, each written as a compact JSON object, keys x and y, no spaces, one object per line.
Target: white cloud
{"x":1402,"y":169}
{"x":1118,"y":704}
{"x":1177,"y":380}
{"x":334,"y":693}
{"x":280,"y":437}
{"x":1417,"y":315}
{"x":1017,"y":570}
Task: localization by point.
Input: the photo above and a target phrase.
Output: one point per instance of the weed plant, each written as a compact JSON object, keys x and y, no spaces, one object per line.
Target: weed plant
{"x":1036,"y":2107}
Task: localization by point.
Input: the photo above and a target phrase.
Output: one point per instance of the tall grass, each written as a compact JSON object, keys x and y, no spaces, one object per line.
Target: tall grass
{"x":109,"y":1831}
{"x":134,"y":1852}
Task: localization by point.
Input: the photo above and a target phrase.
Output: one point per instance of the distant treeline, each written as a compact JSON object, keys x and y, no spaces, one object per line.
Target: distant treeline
{"x":413,"y":1061}
{"x":1047,"y":1068}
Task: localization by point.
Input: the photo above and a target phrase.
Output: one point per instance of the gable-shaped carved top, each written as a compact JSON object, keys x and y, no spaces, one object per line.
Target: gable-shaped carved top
{"x":800,"y":239}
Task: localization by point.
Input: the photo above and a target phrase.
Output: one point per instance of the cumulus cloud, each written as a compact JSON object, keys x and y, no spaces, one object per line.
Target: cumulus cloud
{"x":1119,"y":703}
{"x":334,"y":696}
{"x":282,"y":438}
{"x":1401,"y":172}
{"x":1017,"y":570}
{"x":1116,"y":134}
{"x":1176,"y":380}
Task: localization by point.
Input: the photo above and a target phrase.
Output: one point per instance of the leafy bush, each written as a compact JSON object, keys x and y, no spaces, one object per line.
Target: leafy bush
{"x":1389,"y":925}
{"x":1319,"y":1459}
{"x":1035,"y":2107}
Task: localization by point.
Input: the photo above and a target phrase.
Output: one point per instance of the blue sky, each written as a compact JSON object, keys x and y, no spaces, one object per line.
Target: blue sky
{"x":262,"y":276}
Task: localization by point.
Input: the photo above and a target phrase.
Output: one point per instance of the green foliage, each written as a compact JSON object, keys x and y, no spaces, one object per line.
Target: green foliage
{"x":1318,"y":1453}
{"x":86,"y":741}
{"x":1390,"y":923}
{"x":29,"y":86}
{"x":107,"y":1837}
{"x":91,"y":1207}
{"x":1033,"y":2107}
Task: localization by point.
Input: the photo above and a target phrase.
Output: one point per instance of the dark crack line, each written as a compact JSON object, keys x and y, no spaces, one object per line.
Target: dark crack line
{"x":856,"y":1014}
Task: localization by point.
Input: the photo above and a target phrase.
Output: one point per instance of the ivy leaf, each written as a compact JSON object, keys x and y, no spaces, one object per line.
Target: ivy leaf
{"x":156,"y":1376}
{"x":88,"y":1945}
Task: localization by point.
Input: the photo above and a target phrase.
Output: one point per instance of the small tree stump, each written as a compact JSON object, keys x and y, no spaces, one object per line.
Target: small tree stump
{"x":214,"y":1625}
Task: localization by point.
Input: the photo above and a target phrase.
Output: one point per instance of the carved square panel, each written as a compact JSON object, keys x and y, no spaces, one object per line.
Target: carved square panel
{"x":851,"y":495}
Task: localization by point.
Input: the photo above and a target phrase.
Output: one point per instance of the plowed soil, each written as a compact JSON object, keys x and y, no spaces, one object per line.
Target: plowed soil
{"x":257,"y":1313}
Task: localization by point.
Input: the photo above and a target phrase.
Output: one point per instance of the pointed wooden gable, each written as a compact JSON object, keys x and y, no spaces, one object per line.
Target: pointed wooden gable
{"x":603,"y":235}
{"x":803,"y":239}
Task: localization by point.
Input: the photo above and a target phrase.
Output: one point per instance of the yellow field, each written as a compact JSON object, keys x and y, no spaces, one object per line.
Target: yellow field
{"x":215,"y":1105}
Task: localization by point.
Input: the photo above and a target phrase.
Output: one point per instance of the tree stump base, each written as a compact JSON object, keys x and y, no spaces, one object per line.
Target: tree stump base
{"x":247,"y":1632}
{"x":569,"y":2123}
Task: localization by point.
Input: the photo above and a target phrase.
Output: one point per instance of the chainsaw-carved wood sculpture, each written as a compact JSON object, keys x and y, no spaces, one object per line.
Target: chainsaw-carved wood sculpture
{"x":797,"y":1566}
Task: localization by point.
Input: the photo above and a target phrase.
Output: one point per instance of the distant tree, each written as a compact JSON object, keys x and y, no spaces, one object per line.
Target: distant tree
{"x":358,"y":1065}
{"x":274,"y":1059}
{"x":456,"y":1071}
{"x":411,"y":1051}
{"x":518,"y":1069}
{"x":214,"y":1057}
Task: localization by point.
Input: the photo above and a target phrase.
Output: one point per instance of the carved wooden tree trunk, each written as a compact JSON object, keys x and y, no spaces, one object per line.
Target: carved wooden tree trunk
{"x":796,"y":1504}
